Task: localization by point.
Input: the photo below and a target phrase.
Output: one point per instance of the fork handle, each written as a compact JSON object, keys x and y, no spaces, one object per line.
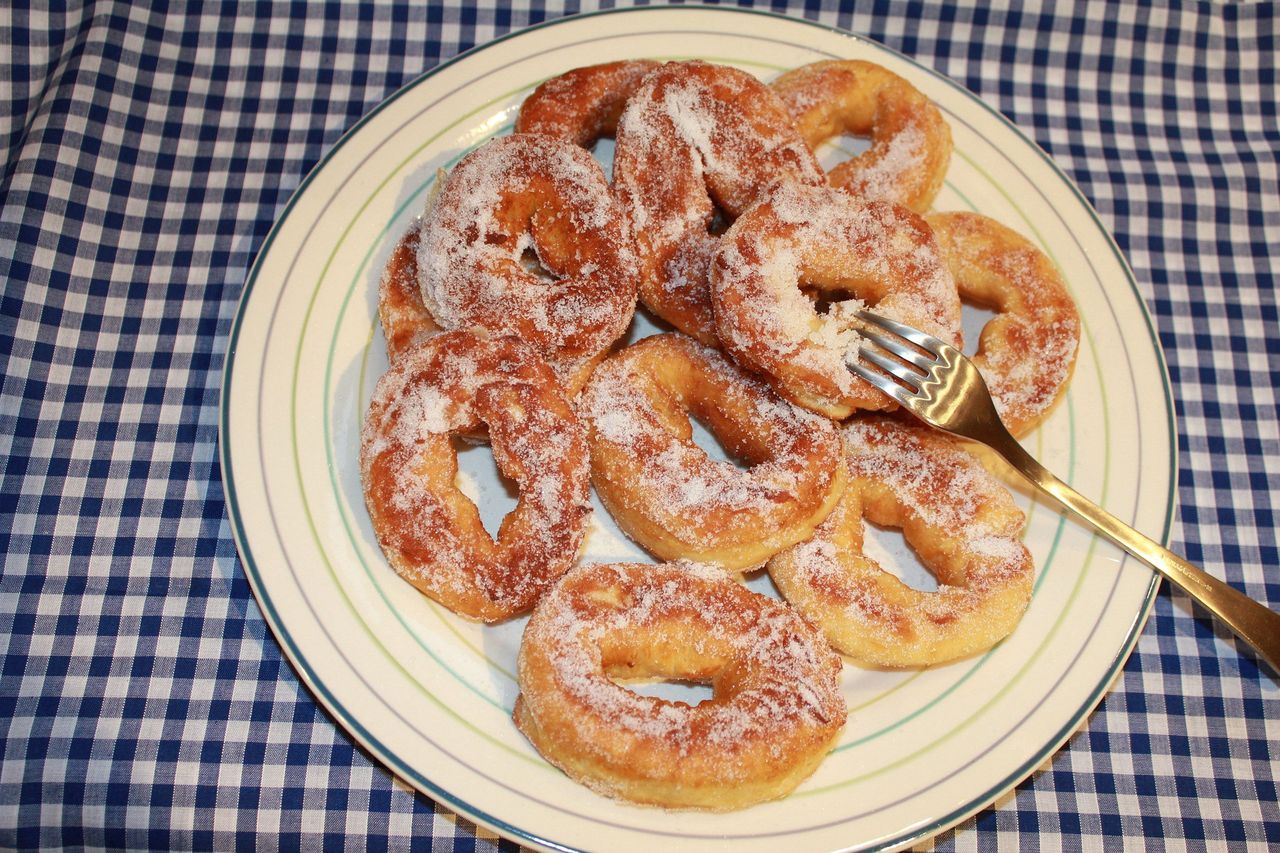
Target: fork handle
{"x":1252,"y":622}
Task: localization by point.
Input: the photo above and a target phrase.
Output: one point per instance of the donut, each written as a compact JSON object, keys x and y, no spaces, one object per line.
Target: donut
{"x":910,"y":140}
{"x":697,"y":143}
{"x":431,"y":533}
{"x":525,"y":198}
{"x":853,"y":254}
{"x":583,"y":104}
{"x":961,"y":522}
{"x":404,"y":318}
{"x":666,"y":492}
{"x":775,"y":711}
{"x":1027,"y":352}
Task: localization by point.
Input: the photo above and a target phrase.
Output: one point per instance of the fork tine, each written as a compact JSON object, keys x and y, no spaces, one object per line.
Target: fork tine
{"x":908,"y":354}
{"x":917,"y":337}
{"x":879,"y":380}
{"x":891,"y":366}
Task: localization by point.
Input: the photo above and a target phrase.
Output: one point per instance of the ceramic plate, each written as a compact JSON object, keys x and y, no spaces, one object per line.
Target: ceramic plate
{"x":431,"y":694}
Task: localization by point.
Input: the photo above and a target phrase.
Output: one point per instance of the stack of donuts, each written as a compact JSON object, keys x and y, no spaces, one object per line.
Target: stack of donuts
{"x":504,"y":310}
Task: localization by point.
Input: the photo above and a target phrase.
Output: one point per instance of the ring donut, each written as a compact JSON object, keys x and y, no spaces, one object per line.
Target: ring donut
{"x":583,"y":104}
{"x":696,"y":139}
{"x":775,"y":712}
{"x":667,"y":493}
{"x":518,"y":198}
{"x":405,"y":321}
{"x":453,"y":384}
{"x":961,"y":522}
{"x":849,"y":251}
{"x":910,"y":140}
{"x":1027,"y":352}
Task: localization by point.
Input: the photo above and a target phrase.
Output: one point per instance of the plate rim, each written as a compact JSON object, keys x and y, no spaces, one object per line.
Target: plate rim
{"x":337,"y":709}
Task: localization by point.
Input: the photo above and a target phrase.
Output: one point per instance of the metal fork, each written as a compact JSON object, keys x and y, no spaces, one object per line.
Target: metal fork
{"x":938,"y":384}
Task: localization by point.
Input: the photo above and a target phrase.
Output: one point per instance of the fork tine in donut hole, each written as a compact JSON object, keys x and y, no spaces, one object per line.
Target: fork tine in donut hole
{"x":879,"y":252}
{"x":776,"y":707}
{"x":431,"y":533}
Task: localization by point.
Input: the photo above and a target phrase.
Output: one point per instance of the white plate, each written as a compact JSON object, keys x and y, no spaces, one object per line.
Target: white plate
{"x":431,"y":695}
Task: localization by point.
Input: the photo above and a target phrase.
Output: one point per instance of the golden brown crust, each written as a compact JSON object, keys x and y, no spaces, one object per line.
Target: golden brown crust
{"x":910,"y":140}
{"x":583,"y":104}
{"x":962,"y":523}
{"x":776,"y":707}
{"x":1027,"y":352}
{"x":694,"y":137}
{"x":513,"y":198}
{"x":405,"y":320}
{"x":665,"y":491}
{"x":455,"y":383}
{"x":854,"y":252}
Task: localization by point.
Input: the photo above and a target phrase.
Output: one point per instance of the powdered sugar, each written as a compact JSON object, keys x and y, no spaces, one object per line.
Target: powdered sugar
{"x":910,"y":141}
{"x":795,"y":679}
{"x":583,"y":104}
{"x":1026,"y":353}
{"x":431,"y":533}
{"x":647,"y":466}
{"x":879,"y":174}
{"x":822,"y":238}
{"x":695,"y":138}
{"x":939,"y":483}
{"x":523,"y":194}
{"x":962,"y":522}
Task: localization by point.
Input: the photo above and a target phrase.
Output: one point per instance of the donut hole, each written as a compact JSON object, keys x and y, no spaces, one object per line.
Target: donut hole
{"x":704,"y":435}
{"x":834,"y":278}
{"x":922,"y":556}
{"x":531,"y":263}
{"x":602,"y":151}
{"x":840,"y":147}
{"x":657,"y":660}
{"x":494,"y":494}
{"x":890,"y":550}
{"x":825,"y":299}
{"x":690,"y":406}
{"x":973,"y":319}
{"x":721,"y":219}
{"x":656,"y":663}
{"x":687,"y":691}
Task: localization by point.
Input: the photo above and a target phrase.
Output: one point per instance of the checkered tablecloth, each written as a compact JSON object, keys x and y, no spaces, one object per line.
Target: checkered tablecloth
{"x":146,"y":154}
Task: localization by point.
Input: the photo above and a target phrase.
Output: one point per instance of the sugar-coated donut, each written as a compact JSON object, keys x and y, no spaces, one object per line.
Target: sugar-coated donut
{"x":582,"y":104}
{"x":695,"y":137}
{"x":854,"y":253}
{"x":910,"y":140}
{"x":1027,"y":352}
{"x":405,"y":321}
{"x":432,"y":535}
{"x":514,"y":199}
{"x":776,"y":707}
{"x":961,"y":522}
{"x":667,"y":493}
